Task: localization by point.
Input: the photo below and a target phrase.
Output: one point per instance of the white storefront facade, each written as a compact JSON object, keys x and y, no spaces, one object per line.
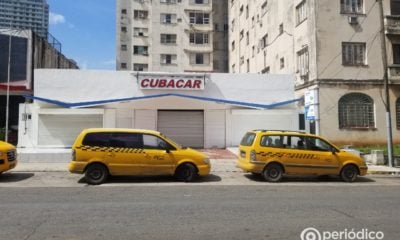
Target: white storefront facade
{"x":198,"y":110}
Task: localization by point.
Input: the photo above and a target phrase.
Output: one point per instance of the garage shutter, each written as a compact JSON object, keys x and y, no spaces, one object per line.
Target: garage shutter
{"x":184,"y":127}
{"x":61,"y":130}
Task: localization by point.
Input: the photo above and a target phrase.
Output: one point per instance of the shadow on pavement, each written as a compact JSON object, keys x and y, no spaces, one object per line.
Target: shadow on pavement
{"x":155,"y":179}
{"x":15,"y":177}
{"x":314,"y":179}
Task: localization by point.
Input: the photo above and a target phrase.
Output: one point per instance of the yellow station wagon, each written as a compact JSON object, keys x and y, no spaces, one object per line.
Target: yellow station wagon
{"x":275,"y":153}
{"x":8,"y":157}
{"x":102,"y":152}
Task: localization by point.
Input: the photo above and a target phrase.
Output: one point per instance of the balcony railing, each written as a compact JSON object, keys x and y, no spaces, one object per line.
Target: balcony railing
{"x":394,"y":73}
{"x":392,"y":25}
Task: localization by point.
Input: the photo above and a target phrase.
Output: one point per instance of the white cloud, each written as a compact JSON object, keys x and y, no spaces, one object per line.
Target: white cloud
{"x":55,"y":18}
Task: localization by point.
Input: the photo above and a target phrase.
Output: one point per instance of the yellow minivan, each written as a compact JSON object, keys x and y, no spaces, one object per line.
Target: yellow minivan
{"x":275,"y":153}
{"x":101,"y":152}
{"x":8,"y":157}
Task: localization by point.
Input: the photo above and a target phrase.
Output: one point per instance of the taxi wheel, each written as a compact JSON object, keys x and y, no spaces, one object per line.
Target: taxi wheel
{"x":273,"y":173}
{"x":96,"y":174}
{"x":186,"y":172}
{"x":349,"y":173}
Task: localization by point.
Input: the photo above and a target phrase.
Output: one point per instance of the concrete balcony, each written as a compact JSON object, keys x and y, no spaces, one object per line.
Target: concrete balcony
{"x":394,"y":73}
{"x":392,"y":25}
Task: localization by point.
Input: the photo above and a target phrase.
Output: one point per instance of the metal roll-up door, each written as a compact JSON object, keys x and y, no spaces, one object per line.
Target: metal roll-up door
{"x":62,"y":130}
{"x":184,"y":127}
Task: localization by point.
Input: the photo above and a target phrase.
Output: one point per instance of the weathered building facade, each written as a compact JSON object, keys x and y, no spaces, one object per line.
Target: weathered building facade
{"x":172,"y":35}
{"x":335,"y":50}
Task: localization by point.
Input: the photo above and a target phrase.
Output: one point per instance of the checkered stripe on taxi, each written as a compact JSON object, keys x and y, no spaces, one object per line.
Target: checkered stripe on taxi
{"x":287,"y":155}
{"x":110,"y":149}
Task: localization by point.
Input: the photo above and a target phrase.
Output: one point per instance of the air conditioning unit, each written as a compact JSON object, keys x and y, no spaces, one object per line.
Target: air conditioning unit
{"x":353,"y":20}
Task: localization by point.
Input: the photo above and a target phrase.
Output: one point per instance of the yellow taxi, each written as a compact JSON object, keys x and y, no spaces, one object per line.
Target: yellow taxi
{"x":276,"y":153}
{"x":8,"y":157}
{"x":101,"y":152}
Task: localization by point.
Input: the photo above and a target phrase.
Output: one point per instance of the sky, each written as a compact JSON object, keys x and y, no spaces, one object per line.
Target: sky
{"x":86,"y":30}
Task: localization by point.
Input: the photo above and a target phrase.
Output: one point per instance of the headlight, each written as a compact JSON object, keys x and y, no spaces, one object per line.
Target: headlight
{"x":206,"y":160}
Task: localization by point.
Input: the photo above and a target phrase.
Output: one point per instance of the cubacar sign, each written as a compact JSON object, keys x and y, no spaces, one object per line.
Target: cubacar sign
{"x":177,"y":83}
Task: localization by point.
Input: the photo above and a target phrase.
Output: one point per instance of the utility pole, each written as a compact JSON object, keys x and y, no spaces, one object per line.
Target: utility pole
{"x":8,"y":83}
{"x":386,"y":85}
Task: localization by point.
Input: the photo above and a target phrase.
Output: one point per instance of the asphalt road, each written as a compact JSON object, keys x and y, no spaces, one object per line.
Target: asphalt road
{"x":265,"y":211}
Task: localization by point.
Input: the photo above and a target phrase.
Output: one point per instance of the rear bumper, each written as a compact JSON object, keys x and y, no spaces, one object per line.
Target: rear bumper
{"x":76,"y":167}
{"x":249,"y":167}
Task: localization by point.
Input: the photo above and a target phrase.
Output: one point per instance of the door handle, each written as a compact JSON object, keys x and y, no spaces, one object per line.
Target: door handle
{"x":111,"y":154}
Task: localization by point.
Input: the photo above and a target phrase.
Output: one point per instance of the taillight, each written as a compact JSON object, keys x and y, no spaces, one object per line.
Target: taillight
{"x":73,"y":155}
{"x":253,"y":155}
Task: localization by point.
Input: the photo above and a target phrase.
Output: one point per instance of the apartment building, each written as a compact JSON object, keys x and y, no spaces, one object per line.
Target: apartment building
{"x":172,"y":35}
{"x":334,"y":48}
{"x":25,"y":15}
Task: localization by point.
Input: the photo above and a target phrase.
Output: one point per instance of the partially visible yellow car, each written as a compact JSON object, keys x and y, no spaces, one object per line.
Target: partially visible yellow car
{"x":8,"y":157}
{"x":101,"y":152}
{"x":276,"y":153}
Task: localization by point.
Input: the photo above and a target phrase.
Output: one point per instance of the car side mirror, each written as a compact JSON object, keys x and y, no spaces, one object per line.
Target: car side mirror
{"x":334,"y":151}
{"x":167,"y":150}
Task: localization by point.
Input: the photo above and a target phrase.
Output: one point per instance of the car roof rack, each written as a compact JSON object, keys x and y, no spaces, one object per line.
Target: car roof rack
{"x":275,"y":130}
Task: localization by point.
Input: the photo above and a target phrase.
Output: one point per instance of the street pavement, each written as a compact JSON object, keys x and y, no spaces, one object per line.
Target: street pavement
{"x":196,"y":212}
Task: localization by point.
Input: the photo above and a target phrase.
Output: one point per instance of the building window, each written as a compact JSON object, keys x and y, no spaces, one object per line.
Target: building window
{"x":264,"y":7}
{"x":140,"y":32}
{"x":140,"y":67}
{"x":233,"y":68}
{"x":398,"y":113}
{"x":353,"y":54}
{"x":168,"y":1}
{"x":167,"y":18}
{"x":124,"y":47}
{"x":301,"y":12}
{"x":247,"y":38}
{"x":168,"y":59}
{"x":302,"y":62}
{"x":281,"y":30}
{"x":241,"y":34}
{"x":282,"y":63}
{"x":124,"y":29}
{"x":140,"y":50}
{"x":247,"y":11}
{"x":123,"y":11}
{"x":140,"y":14}
{"x":266,"y":70}
{"x":123,"y":65}
{"x":168,"y":38}
{"x":233,"y":25}
{"x":351,"y":6}
{"x":199,"y":18}
{"x":199,"y":38}
{"x":396,"y":53}
{"x":395,"y":7}
{"x":199,"y":58}
{"x":241,"y":10}
{"x":233,"y":45}
{"x":199,"y":1}
{"x":356,"y":110}
{"x":248,"y":65}
{"x":264,"y":41}
{"x":241,"y":60}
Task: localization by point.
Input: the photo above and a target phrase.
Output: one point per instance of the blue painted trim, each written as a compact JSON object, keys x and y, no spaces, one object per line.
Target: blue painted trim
{"x":102,"y":102}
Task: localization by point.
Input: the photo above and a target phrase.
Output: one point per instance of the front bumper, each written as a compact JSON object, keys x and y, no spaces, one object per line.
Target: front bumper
{"x":204,"y":170}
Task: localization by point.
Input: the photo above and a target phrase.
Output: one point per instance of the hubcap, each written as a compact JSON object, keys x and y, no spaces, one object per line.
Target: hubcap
{"x":96,"y":174}
{"x":273,"y":173}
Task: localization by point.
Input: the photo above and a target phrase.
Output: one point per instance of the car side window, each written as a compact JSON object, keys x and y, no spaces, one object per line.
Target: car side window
{"x":275,"y":141}
{"x":97,"y":139}
{"x":317,"y":144}
{"x":154,"y":142}
{"x":296,"y":142}
{"x":126,"y":140}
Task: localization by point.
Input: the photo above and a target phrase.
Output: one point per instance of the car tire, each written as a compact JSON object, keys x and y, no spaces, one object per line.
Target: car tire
{"x":349,"y":173}
{"x":273,"y":173}
{"x":96,"y":174}
{"x":186,"y":172}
